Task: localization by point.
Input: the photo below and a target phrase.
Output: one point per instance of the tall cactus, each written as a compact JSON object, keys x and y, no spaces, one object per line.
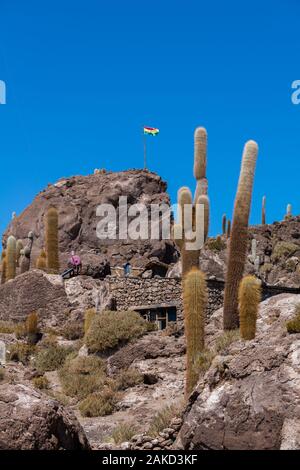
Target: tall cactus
{"x":52,"y":241}
{"x":228,"y":230}
{"x":194,"y":301}
{"x":19,"y":249}
{"x":288,"y":212}
{"x":239,"y":236}
{"x":263,"y":211}
{"x":11,"y":259}
{"x":223,"y":224}
{"x":190,"y":256}
{"x":3,"y":267}
{"x":249,"y":299}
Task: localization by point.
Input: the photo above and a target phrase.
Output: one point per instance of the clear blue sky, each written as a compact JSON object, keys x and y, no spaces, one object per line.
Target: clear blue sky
{"x":83,"y":77}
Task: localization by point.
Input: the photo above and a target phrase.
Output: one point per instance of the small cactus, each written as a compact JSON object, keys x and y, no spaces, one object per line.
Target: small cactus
{"x":52,"y":241}
{"x":41,"y":262}
{"x":11,"y":261}
{"x":249,"y":299}
{"x":194,"y":301}
{"x":31,"y":326}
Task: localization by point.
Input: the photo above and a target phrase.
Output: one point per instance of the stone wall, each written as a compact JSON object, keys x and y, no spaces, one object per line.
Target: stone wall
{"x":132,"y":292}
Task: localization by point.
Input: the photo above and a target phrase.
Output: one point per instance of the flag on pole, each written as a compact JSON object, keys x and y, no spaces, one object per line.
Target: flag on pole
{"x":151,"y":131}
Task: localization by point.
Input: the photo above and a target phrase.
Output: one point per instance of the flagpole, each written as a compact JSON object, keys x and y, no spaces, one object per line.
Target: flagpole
{"x":145,"y":152}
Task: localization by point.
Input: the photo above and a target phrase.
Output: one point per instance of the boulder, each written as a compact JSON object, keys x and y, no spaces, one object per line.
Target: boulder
{"x":250,"y":396}
{"x":34,"y":291}
{"x":30,"y":420}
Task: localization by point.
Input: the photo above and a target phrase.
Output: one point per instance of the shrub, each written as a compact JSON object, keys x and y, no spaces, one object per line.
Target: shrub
{"x":283,"y":250}
{"x":99,"y":404}
{"x":41,"y":382}
{"x":163,"y":418}
{"x":7,"y":327}
{"x":123,"y":433}
{"x":20,"y":330}
{"x":293,"y":326}
{"x":129,"y":378}
{"x":2,"y":373}
{"x":215,"y":244}
{"x":72,"y":331}
{"x":20,"y":352}
{"x":51,"y":356}
{"x":80,"y":376}
{"x":111,"y":329}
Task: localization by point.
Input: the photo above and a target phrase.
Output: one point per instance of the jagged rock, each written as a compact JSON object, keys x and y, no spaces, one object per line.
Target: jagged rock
{"x":250,"y":396}
{"x":30,"y":420}
{"x":77,"y":199}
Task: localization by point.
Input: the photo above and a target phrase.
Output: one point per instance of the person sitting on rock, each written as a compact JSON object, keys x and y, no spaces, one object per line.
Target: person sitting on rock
{"x":75,"y":263}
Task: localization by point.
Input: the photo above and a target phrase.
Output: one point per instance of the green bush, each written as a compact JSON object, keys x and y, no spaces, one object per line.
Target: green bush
{"x":80,"y":376}
{"x":99,"y":404}
{"x":72,"y":331}
{"x":293,"y":326}
{"x":41,"y":382}
{"x":123,"y":433}
{"x":51,"y":356}
{"x":129,"y":378}
{"x":284,"y":250}
{"x":112,"y":329}
{"x":20,"y":352}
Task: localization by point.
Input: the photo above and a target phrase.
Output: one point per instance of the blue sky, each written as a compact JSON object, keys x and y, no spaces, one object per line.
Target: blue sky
{"x":83,"y":77}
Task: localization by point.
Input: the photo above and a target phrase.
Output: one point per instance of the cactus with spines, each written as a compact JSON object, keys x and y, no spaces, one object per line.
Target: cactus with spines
{"x":194,"y":302}
{"x":182,"y":232}
{"x":263,"y":211}
{"x":52,"y":241}
{"x":26,"y":254}
{"x":252,"y":257}
{"x":239,"y":236}
{"x":249,"y":298}
{"x":228,"y":229}
{"x":3,"y":267}
{"x":41,"y":262}
{"x":11,"y":261}
{"x":31,"y":327}
{"x":223,"y":224}
{"x":19,"y":249}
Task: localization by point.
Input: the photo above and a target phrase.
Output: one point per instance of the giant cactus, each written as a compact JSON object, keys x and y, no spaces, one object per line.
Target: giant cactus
{"x":239,"y":236}
{"x":249,"y":298}
{"x":41,"y":262}
{"x":26,"y":254}
{"x":194,"y":301}
{"x":223,"y":224}
{"x":19,"y":249}
{"x":52,"y":241}
{"x":3,"y":267}
{"x":263,"y":211}
{"x":190,"y":250}
{"x":11,"y":260}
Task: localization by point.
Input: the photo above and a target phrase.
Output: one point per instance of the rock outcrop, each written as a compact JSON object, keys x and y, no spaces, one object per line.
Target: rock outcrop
{"x":250,"y":396}
{"x":30,"y":420}
{"x":77,"y":199}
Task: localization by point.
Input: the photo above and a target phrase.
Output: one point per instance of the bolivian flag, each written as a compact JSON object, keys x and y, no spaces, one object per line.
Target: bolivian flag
{"x":151,"y":130}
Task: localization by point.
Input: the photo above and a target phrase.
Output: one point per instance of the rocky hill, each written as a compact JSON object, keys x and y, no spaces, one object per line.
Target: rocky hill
{"x":77,"y":199}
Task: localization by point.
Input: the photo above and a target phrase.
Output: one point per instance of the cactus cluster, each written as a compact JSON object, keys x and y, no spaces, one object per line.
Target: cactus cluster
{"x":52,"y":241}
{"x":239,"y":236}
{"x":183,"y":230}
{"x":26,"y":254}
{"x":194,"y":302}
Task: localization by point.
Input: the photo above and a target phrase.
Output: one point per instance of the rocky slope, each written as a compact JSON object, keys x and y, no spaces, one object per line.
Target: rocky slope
{"x":77,"y":199}
{"x":250,"y":396}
